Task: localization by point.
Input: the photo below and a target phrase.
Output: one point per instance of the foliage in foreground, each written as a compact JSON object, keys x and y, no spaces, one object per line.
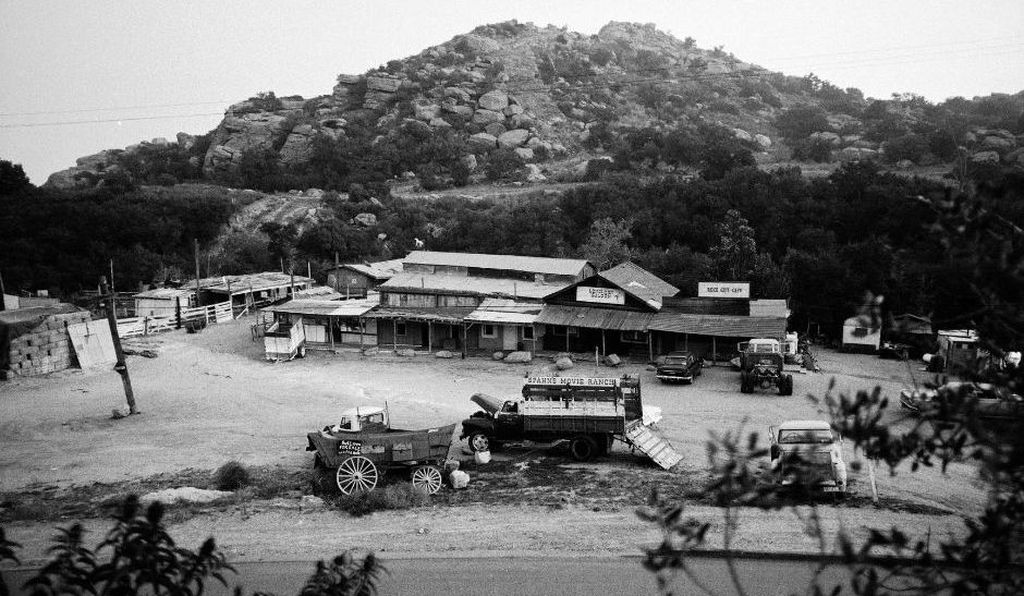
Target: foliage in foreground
{"x":988,"y":558}
{"x":139,"y":556}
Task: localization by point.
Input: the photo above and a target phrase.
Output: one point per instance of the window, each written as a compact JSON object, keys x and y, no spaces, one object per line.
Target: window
{"x":400,"y":329}
{"x":528,"y":332}
{"x":633,"y":336}
{"x":488,"y":331}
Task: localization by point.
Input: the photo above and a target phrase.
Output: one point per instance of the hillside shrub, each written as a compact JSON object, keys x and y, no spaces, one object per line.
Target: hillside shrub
{"x":801,"y":121}
{"x":231,"y":476}
{"x":503,"y":164}
{"x":401,"y":495}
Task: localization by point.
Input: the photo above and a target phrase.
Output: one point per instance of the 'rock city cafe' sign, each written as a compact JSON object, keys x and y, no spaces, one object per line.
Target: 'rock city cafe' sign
{"x":723,"y":289}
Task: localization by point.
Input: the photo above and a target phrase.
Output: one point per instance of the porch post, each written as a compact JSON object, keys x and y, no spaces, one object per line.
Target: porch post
{"x":430,"y":337}
{"x":604,"y":348}
{"x":362,"y":330}
{"x":650,"y":348}
{"x":394,"y":334}
{"x":714,"y":350}
{"x":566,"y":338}
{"x":464,"y":339}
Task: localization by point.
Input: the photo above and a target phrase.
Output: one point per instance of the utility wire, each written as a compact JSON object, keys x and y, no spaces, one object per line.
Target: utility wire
{"x":100,"y":121}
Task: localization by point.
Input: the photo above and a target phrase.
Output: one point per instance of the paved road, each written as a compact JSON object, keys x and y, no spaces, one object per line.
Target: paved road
{"x":529,"y":576}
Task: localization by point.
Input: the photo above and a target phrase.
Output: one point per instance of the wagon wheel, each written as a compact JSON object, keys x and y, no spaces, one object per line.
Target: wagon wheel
{"x":427,"y":479}
{"x":356,"y":474}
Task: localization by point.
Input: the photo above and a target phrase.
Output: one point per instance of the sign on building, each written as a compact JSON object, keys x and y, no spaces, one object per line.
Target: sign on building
{"x":600,"y":295}
{"x":723,"y":289}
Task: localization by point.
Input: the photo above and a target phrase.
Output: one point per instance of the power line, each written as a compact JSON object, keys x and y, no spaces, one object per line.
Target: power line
{"x":112,"y":109}
{"x":101,"y":121}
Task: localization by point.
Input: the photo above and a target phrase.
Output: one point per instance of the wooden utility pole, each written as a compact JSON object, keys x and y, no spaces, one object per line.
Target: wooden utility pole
{"x":3,"y":301}
{"x":121,"y":366}
{"x":197,"y":271}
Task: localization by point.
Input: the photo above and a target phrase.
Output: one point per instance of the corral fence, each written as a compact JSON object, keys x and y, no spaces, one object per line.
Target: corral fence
{"x":189,"y":318}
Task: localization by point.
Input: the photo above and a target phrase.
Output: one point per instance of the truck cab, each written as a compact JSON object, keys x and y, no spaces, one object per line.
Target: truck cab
{"x":809,"y":454}
{"x":363,"y":418}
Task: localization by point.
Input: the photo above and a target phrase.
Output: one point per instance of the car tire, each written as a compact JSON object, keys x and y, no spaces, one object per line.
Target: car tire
{"x":479,"y":442}
{"x":583,"y":448}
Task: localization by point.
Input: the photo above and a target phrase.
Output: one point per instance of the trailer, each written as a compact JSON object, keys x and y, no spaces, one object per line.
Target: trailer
{"x":590,"y":413}
{"x":355,"y":453}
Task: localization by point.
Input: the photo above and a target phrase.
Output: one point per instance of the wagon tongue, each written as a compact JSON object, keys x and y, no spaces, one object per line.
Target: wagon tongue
{"x":489,"y":403}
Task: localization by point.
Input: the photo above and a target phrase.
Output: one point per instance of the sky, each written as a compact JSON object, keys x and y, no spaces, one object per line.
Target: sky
{"x":79,"y":77}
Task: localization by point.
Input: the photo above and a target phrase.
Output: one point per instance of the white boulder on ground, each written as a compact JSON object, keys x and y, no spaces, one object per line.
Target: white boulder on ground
{"x":444,"y":354}
{"x":563,"y":363}
{"x":612,"y":360}
{"x":519,"y":357}
{"x":482,"y":140}
{"x":498,"y":356}
{"x":513,"y":138}
{"x":407,"y":352}
{"x":459,"y":479}
{"x":496,"y":100}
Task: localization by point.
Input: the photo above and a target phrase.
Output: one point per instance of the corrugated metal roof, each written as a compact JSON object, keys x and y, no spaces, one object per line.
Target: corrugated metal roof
{"x":498,"y":310}
{"x":507,"y":262}
{"x":257,"y":281}
{"x":458,"y":285}
{"x":594,"y":318}
{"x":739,"y":307}
{"x":436,"y":315}
{"x":318,"y":293}
{"x":719,"y":325}
{"x":642,"y":283}
{"x":325,"y":308}
{"x":379,"y":270}
{"x":166,"y":293}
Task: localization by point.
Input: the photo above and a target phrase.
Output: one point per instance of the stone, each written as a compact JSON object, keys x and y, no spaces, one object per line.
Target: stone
{"x":185,"y":140}
{"x":829,"y":137}
{"x":484,"y":117}
{"x":496,"y":100}
{"x":524,"y":153}
{"x":763,"y":141}
{"x":444,"y":354}
{"x":458,"y":479}
{"x":513,"y":110}
{"x":425,"y":110}
{"x":563,"y":364}
{"x":495,"y":129}
{"x":298,"y":147}
{"x":311,"y":502}
{"x":366,"y":219}
{"x":406,"y":352}
{"x":482,"y":140}
{"x":612,"y":360}
{"x":533,"y":173}
{"x":187,"y":494}
{"x":478,"y":44}
{"x":469,"y":160}
{"x":439,"y":123}
{"x":522,"y":121}
{"x":905,"y":164}
{"x":742,"y":135}
{"x":498,"y":356}
{"x":513,"y":138}
{"x":383,"y":82}
{"x":985,"y":157}
{"x":458,"y":93}
{"x":314,"y":193}
{"x":452,"y":108}
{"x":856,"y":153}
{"x":998,"y":143}
{"x":519,"y":357}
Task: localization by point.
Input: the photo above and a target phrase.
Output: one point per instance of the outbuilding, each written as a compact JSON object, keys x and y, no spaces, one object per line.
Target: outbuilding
{"x":860,"y":335}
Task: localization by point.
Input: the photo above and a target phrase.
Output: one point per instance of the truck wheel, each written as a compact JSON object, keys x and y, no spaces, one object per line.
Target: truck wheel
{"x":427,"y":479}
{"x":479,"y":442}
{"x":583,"y":448}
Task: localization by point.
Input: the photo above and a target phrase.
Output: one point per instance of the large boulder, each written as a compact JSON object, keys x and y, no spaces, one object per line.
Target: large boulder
{"x":982,"y":157}
{"x":484,"y":117}
{"x":998,"y":143}
{"x":524,"y":153}
{"x":563,"y":363}
{"x":298,"y":147}
{"x":425,"y":109}
{"x":828,"y":137}
{"x":513,"y":138}
{"x":367,"y":220}
{"x":478,"y":44}
{"x":457,"y":93}
{"x":763,"y":141}
{"x":519,"y":357}
{"x":469,"y":161}
{"x":496,"y":100}
{"x":533,"y":173}
{"x":482,"y":140}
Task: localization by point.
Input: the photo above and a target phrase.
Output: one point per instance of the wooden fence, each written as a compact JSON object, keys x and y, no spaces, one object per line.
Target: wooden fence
{"x":213,"y":313}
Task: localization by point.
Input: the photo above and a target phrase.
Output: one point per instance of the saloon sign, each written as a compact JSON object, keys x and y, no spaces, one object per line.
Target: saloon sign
{"x":600,"y":295}
{"x":723,"y":289}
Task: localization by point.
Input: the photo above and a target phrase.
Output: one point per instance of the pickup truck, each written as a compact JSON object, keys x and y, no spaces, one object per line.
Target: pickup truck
{"x":807,"y":454}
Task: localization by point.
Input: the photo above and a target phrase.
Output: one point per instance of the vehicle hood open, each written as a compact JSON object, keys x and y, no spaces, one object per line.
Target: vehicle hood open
{"x":489,"y":403}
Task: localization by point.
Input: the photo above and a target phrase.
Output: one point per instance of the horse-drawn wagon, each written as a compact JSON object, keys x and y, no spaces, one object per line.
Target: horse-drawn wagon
{"x":362,"y":447}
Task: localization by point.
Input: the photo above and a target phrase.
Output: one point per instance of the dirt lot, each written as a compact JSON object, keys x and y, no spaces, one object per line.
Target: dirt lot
{"x":209,"y":397}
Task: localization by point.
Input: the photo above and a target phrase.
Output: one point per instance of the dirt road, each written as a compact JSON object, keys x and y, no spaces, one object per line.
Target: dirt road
{"x":209,"y":398}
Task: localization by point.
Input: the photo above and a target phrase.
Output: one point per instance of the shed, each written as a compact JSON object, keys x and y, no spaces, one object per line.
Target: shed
{"x":859,"y":335}
{"x":163,"y":302}
{"x":356,"y":279}
{"x":328,"y":323}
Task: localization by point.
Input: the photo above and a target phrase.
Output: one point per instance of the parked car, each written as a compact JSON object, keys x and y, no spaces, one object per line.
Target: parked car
{"x":988,"y":400}
{"x":808,"y":454}
{"x":679,"y":366}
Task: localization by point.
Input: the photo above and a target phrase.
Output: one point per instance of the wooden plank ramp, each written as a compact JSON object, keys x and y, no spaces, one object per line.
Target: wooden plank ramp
{"x":649,"y":441}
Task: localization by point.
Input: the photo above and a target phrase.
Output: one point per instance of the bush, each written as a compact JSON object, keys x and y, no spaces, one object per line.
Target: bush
{"x":503,"y":164}
{"x":231,"y":476}
{"x":391,"y":497}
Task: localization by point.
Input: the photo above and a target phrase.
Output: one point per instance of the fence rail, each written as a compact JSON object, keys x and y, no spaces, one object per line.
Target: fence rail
{"x":213,"y":313}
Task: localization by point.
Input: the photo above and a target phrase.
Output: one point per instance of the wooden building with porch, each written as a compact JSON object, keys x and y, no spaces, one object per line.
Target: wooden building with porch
{"x":425,"y":306}
{"x":354,"y":280}
{"x":329,"y":324}
{"x":609,"y":311}
{"x":251,"y":290}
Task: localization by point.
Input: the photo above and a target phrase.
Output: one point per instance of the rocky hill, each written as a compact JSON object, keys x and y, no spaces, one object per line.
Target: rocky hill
{"x":513,"y":100}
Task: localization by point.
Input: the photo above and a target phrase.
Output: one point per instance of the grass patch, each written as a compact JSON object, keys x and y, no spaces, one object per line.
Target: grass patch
{"x":391,"y":497}
{"x":231,"y":476}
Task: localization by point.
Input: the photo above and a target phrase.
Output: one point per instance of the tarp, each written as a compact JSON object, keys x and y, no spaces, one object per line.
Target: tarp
{"x":93,"y":343}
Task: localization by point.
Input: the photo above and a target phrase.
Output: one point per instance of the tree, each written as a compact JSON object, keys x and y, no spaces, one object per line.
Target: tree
{"x":989,"y":558}
{"x":606,"y":243}
{"x":12,"y":178}
{"x":801,"y":121}
{"x":734,"y":256}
